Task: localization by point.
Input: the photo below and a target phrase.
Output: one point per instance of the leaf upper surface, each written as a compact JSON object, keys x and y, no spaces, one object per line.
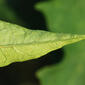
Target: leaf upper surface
{"x":19,"y":44}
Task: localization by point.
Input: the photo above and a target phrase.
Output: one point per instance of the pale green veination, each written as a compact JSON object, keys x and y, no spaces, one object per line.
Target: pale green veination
{"x":19,"y":44}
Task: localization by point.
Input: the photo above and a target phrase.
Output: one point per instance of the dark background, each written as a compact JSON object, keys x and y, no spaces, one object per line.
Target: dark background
{"x":24,"y":73}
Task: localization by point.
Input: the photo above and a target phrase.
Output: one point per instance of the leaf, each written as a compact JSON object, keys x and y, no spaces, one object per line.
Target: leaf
{"x":67,"y":16}
{"x":20,"y":44}
{"x":64,"y":16}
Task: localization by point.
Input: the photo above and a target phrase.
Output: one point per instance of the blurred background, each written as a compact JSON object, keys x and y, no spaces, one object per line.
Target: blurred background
{"x":22,"y":12}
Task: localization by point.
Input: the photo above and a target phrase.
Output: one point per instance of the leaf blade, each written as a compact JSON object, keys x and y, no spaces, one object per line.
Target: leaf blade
{"x":20,"y":44}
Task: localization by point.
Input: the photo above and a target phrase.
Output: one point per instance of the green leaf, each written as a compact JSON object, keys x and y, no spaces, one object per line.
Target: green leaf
{"x":64,"y":16}
{"x":19,"y":44}
{"x":67,"y":16}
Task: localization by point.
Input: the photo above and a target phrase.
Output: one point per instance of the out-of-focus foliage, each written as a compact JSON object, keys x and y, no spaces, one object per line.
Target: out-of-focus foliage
{"x":7,"y":13}
{"x":20,"y":44}
{"x":66,"y":16}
